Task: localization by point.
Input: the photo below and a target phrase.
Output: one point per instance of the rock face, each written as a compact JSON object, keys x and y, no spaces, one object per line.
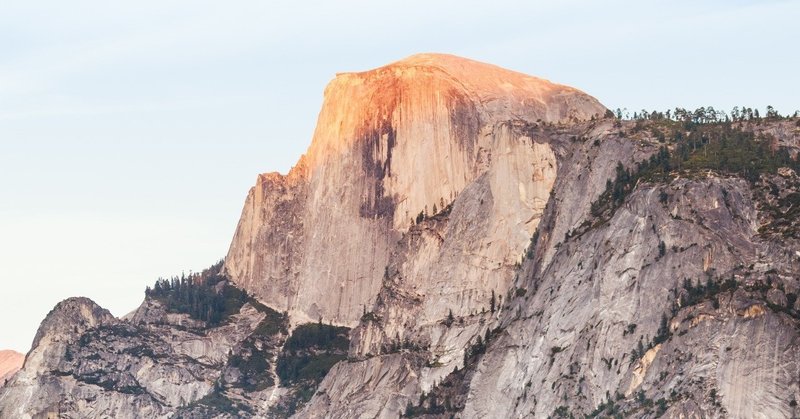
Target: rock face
{"x":464,"y":241}
{"x":10,"y":363}
{"x":609,"y":288}
{"x":390,"y":144}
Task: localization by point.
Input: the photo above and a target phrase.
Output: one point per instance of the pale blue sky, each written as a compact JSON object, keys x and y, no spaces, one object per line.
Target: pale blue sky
{"x":130,"y":133}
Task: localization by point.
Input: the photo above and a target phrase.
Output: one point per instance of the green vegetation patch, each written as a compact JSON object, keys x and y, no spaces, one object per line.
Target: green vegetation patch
{"x":214,"y":404}
{"x":307,"y":356}
{"x":272,"y":324}
{"x":696,"y":148}
{"x":206,"y":296}
{"x":311,"y":351}
{"x":255,"y":369}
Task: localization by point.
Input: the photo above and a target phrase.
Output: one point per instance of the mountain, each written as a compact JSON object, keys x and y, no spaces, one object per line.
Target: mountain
{"x":390,"y":144}
{"x":461,"y":240}
{"x":10,"y":363}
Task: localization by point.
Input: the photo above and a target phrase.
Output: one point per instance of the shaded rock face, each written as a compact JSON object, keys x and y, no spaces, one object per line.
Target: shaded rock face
{"x":602,"y":292}
{"x":783,"y":133}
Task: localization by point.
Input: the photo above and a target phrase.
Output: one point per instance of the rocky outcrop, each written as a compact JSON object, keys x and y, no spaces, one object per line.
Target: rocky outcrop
{"x":197,"y":347}
{"x":782,"y":132}
{"x":10,"y":363}
{"x":86,"y":363}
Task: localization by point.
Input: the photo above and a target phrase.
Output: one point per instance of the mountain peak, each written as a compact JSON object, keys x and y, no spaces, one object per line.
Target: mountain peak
{"x":489,"y":83}
{"x":446,"y":91}
{"x":467,"y":69}
{"x":70,"y":317}
{"x":476,"y":73}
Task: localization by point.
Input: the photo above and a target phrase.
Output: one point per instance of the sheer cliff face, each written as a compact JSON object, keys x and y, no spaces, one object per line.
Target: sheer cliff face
{"x":390,"y":144}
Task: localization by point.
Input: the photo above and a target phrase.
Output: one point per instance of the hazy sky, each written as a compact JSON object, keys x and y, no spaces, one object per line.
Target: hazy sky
{"x":130,"y":133}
